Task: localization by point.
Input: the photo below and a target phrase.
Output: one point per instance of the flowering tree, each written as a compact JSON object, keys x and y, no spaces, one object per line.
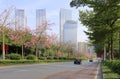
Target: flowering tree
{"x":19,"y":37}
{"x":50,"y":39}
{"x":50,"y":43}
{"x":5,"y":22}
{"x":39,"y":36}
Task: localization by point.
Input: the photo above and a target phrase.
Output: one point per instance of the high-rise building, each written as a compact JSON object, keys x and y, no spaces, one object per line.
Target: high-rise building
{"x":40,"y":17}
{"x":70,"y":33}
{"x":20,"y":18}
{"x":65,"y":15}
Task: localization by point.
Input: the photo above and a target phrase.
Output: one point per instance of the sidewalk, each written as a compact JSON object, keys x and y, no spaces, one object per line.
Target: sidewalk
{"x":91,"y":71}
{"x":99,"y":74}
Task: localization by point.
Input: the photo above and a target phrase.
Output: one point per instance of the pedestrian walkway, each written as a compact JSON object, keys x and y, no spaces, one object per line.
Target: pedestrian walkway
{"x":89,"y":71}
{"x":99,"y":74}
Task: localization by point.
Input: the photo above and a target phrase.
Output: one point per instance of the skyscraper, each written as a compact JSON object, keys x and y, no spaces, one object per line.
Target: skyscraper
{"x":20,"y":18}
{"x":40,"y":17}
{"x":70,"y":33}
{"x":65,"y":15}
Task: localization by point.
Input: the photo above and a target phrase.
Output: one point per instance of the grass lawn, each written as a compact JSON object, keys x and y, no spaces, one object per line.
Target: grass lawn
{"x":108,"y":74}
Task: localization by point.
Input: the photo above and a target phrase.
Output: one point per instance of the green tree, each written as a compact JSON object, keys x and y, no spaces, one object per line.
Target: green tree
{"x":102,"y":20}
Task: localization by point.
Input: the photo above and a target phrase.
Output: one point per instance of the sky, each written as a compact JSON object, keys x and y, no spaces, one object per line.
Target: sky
{"x":52,"y":12}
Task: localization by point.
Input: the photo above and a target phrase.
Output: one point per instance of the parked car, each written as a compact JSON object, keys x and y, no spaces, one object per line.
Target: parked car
{"x":77,"y":61}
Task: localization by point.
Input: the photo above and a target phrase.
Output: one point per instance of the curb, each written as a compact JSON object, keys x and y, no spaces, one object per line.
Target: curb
{"x":96,"y":77}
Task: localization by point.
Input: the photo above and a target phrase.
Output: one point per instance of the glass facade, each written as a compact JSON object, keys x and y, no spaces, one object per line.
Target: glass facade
{"x":65,"y":15}
{"x":20,"y":18}
{"x":40,"y":17}
{"x":70,"y":33}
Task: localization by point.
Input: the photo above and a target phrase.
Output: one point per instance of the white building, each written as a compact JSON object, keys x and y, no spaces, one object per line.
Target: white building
{"x":20,"y":18}
{"x":70,"y":33}
{"x":65,"y":15}
{"x":40,"y":17}
{"x":91,"y":49}
{"x":84,"y":47}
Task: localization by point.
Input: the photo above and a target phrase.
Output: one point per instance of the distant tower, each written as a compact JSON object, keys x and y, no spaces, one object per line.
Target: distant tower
{"x":40,"y":17}
{"x":65,"y":15}
{"x":20,"y":18}
{"x":70,"y":33}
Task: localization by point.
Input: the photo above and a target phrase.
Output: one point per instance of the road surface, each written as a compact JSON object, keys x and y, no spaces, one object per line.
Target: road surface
{"x":41,"y":71}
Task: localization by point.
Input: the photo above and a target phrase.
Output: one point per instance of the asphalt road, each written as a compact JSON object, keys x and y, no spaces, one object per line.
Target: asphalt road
{"x":37,"y":71}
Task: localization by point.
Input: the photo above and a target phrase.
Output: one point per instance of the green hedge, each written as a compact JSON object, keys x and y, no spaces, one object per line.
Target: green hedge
{"x":56,"y":58}
{"x":49,"y":58}
{"x":108,"y":73}
{"x":114,"y":65}
{"x":11,"y":62}
{"x":31,"y":57}
{"x":14,"y":56}
{"x":42,"y":58}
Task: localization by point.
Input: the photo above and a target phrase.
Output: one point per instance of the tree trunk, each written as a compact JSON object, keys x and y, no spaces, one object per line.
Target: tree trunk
{"x":22,"y":52}
{"x":36,"y":50}
{"x":112,"y":52}
{"x":119,"y":44}
{"x":104,"y":52}
{"x":108,"y":50}
{"x":3,"y":46}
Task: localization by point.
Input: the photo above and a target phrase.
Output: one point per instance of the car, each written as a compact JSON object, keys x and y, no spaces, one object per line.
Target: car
{"x":77,"y":61}
{"x":90,"y":60}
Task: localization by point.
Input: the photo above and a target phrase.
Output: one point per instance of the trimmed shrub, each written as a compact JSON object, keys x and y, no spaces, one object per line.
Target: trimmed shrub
{"x":61,"y":58}
{"x":114,"y":65}
{"x":14,"y":56}
{"x":56,"y":58}
{"x":49,"y":58}
{"x":65,"y":58}
{"x":31,"y":57}
{"x":71,"y":58}
{"x":42,"y":58}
